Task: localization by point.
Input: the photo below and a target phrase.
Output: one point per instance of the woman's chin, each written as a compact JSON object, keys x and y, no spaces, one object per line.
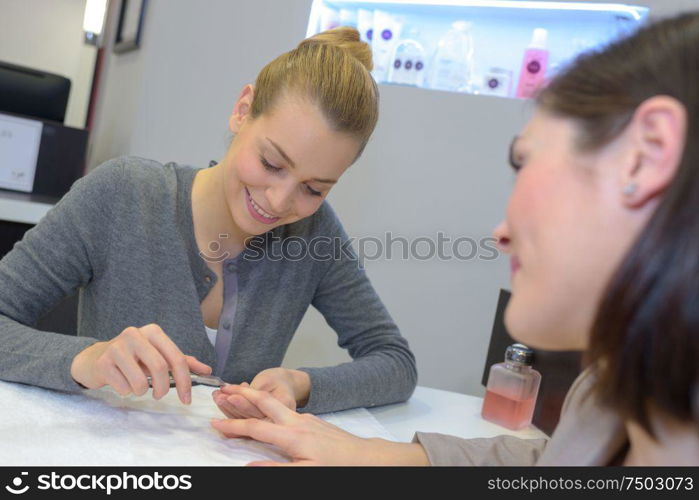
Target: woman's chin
{"x":527,"y":327}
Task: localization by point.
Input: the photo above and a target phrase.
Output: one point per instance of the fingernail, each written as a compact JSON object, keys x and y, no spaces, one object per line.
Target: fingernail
{"x":188,"y":398}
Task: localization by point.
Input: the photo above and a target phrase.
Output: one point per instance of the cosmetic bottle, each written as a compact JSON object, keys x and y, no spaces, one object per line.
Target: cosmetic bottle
{"x":534,"y":65}
{"x":512,"y":388}
{"x":497,"y":81}
{"x":408,"y":66}
{"x":365,"y":25}
{"x":452,"y":65}
{"x":387,"y":30}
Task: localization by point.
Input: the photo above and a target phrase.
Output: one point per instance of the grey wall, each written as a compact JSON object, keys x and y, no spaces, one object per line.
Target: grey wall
{"x":48,"y":36}
{"x":435,"y":163}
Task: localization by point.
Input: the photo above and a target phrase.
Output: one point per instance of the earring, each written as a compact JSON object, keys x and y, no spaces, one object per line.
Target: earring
{"x":630,"y":188}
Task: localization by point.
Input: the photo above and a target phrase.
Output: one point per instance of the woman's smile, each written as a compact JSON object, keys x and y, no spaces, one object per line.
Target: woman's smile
{"x":257,"y":212}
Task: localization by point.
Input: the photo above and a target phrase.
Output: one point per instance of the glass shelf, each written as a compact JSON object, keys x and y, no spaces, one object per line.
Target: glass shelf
{"x":476,"y":46}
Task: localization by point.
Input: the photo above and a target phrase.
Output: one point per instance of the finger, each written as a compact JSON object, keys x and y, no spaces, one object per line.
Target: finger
{"x":244,"y":407}
{"x":125,"y":361}
{"x":269,"y":405}
{"x":197,"y":366}
{"x":174,"y":358}
{"x":259,"y":430}
{"x":230,"y":389}
{"x":156,"y":365}
{"x":228,"y":409}
{"x":115,"y":379}
{"x":235,"y":390}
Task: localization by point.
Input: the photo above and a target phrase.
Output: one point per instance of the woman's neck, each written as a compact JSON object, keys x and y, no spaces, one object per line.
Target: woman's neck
{"x":215,"y":230}
{"x":677,"y":442}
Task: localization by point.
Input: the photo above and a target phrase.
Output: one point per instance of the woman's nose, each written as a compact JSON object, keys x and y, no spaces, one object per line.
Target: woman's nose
{"x":502,"y":234}
{"x":281,"y":197}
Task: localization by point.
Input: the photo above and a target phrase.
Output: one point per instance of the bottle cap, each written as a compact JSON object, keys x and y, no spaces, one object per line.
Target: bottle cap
{"x":539,"y":39}
{"x":519,"y":354}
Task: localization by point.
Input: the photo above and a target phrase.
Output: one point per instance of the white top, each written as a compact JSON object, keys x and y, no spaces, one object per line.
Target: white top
{"x":211,"y":333}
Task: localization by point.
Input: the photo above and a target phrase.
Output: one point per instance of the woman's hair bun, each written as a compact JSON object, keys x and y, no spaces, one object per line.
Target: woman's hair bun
{"x":347,"y":38}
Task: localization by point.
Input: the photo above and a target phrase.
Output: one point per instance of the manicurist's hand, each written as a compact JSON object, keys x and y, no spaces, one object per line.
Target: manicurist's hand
{"x":290,"y":387}
{"x":125,"y":362}
{"x":308,"y":440}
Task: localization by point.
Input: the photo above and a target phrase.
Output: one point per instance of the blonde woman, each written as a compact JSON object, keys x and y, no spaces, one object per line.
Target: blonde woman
{"x":136,"y":238}
{"x":603,"y":234}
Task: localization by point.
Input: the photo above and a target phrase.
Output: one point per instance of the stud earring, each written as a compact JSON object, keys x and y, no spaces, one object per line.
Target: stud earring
{"x":630,"y":188}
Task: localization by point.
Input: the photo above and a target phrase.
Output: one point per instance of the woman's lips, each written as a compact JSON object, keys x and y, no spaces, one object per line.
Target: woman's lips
{"x":253,"y":210}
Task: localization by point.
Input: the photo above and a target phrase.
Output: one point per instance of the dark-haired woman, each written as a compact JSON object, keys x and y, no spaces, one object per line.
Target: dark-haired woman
{"x":603,"y":233}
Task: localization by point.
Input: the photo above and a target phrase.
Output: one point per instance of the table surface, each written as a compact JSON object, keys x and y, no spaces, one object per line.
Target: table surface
{"x":43,"y":427}
{"x":434,"y":410}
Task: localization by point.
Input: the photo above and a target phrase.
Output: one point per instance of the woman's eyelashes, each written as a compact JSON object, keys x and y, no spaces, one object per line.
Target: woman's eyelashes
{"x":269,"y":166}
{"x":275,"y":170}
{"x":514,"y":157}
{"x":313,"y":191}
{"x":515,"y":160}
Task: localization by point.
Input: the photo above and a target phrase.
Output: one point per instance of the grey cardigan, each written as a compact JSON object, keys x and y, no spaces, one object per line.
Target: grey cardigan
{"x":123,"y":236}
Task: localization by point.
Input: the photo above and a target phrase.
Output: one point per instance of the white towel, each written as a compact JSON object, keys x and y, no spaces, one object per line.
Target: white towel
{"x":43,"y":427}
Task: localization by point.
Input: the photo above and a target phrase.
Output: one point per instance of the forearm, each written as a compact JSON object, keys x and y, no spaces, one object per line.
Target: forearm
{"x":504,"y":450}
{"x":373,"y":380}
{"x":393,"y":453}
{"x":38,"y":358}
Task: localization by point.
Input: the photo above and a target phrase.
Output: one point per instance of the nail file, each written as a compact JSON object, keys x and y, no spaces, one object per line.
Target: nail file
{"x":209,"y":380}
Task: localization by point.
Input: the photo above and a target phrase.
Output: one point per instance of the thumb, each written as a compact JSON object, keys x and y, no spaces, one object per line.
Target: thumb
{"x":197,"y":366}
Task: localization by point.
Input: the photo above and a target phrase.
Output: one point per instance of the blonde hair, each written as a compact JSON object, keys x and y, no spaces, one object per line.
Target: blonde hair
{"x":331,"y":69}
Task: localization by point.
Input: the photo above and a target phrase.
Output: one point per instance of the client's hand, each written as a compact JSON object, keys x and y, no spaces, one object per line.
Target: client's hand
{"x":126,"y":361}
{"x":290,"y":387}
{"x":308,"y":440}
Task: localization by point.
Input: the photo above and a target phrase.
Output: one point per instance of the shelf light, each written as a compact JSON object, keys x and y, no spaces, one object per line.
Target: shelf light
{"x":633,"y":11}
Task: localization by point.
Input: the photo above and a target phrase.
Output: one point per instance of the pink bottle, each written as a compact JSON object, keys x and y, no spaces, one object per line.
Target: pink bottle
{"x":512,"y":388}
{"x":534,"y":66}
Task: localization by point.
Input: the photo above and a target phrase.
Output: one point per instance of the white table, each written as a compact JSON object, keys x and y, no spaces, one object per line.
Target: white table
{"x":42,"y":427}
{"x":434,"y":410}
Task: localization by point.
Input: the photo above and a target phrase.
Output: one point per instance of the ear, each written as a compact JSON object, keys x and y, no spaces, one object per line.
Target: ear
{"x":657,"y":133}
{"x":242,"y":108}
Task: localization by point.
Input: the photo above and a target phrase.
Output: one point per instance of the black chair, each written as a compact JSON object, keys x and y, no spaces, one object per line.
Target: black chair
{"x":558,"y":370}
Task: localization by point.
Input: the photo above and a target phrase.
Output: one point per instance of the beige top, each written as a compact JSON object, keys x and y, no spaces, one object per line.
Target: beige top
{"x":587,"y":434}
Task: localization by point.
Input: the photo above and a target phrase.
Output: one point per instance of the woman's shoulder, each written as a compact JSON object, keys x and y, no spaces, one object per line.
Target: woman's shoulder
{"x":138,"y":176}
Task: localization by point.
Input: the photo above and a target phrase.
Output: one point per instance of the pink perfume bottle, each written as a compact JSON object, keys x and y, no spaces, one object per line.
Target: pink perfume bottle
{"x":512,"y":388}
{"x":534,"y":65}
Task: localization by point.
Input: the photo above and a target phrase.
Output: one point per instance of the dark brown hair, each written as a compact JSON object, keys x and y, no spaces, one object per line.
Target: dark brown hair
{"x":644,"y":345}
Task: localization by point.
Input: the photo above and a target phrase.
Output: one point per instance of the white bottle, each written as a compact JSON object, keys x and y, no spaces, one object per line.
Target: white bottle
{"x":365,"y":25}
{"x":408,"y":66}
{"x":387,"y":28}
{"x":452,"y":65}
